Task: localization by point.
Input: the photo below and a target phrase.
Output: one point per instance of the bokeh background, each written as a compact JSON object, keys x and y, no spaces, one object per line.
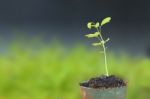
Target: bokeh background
{"x":44,"y":54}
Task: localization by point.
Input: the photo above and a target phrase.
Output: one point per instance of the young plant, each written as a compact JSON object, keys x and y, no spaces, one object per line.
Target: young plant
{"x":98,"y":34}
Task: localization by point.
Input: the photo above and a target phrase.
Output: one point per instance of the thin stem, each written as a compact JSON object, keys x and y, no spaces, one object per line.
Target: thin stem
{"x":106,"y":66}
{"x":104,"y":48}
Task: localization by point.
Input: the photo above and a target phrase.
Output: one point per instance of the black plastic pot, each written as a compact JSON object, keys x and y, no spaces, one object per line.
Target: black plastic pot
{"x":105,"y":93}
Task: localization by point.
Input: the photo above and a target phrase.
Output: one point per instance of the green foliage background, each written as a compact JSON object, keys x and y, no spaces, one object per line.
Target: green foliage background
{"x":54,"y":72}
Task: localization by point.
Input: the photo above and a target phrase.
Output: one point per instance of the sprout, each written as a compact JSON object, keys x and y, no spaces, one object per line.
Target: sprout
{"x":98,"y":35}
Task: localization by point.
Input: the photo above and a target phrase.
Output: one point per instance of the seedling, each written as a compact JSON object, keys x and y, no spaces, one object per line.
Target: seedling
{"x":98,"y":34}
{"x":105,"y":86}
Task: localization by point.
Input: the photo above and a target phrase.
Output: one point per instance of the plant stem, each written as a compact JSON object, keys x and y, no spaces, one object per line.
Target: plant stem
{"x":106,"y":66}
{"x":104,"y":49}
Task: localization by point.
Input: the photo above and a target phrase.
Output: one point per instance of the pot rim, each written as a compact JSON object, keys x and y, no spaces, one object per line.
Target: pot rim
{"x":103,"y":88}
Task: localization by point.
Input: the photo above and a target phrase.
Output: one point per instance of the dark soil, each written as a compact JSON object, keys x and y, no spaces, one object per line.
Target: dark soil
{"x":104,"y":82}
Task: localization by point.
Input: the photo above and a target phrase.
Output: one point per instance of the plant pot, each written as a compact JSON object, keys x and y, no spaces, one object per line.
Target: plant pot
{"x":103,"y":93}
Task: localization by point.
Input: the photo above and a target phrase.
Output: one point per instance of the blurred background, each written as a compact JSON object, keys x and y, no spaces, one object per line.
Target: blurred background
{"x":44,"y":54}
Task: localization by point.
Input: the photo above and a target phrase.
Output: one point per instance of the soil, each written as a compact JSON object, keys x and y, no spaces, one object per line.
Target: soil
{"x":104,"y":82}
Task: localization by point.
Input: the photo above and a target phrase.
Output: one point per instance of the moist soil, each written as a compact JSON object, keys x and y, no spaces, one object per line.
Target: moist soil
{"x":104,"y":82}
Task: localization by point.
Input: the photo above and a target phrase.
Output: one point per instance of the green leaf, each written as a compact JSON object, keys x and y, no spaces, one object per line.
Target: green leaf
{"x":96,"y":44}
{"x":97,"y":25}
{"x":92,"y":35}
{"x":89,"y":25}
{"x":106,"y":20}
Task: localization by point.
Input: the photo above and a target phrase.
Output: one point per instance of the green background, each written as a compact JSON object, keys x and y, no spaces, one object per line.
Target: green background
{"x":54,"y":71}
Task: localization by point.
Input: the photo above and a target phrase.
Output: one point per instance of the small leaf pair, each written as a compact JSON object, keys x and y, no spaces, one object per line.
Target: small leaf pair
{"x":92,"y":24}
